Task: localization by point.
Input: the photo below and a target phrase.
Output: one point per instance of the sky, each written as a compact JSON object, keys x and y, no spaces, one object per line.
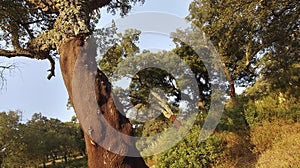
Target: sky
{"x":28,"y":90}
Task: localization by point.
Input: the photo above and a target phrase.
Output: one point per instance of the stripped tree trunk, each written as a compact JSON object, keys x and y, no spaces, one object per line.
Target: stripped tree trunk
{"x":99,"y":157}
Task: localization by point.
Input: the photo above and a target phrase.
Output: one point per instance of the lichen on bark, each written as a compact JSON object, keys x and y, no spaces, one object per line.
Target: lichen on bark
{"x":72,"y":20}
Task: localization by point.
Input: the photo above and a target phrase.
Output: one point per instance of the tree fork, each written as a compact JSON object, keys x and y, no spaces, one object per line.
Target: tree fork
{"x":97,"y":155}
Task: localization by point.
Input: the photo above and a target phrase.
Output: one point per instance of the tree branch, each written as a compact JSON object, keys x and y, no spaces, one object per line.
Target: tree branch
{"x":14,"y":53}
{"x":52,"y":69}
{"x":27,"y":54}
{"x":2,"y":77}
{"x":95,"y":4}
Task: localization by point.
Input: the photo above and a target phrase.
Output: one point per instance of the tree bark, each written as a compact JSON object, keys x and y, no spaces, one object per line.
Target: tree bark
{"x":231,"y":86}
{"x":98,"y":156}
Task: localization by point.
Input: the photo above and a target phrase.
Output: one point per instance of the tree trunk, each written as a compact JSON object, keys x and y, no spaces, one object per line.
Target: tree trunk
{"x":98,"y":156}
{"x":201,"y":96}
{"x":231,"y":86}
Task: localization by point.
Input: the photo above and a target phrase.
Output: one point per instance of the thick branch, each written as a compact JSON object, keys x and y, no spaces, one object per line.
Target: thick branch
{"x":28,"y":54}
{"x":56,"y":6}
{"x":95,"y":4}
{"x":73,"y":20}
{"x":14,"y":53}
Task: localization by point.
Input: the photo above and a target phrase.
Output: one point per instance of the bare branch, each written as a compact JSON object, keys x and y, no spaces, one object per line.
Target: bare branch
{"x":3,"y":68}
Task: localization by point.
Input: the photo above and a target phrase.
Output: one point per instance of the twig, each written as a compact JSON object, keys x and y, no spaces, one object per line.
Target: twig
{"x":52,"y":67}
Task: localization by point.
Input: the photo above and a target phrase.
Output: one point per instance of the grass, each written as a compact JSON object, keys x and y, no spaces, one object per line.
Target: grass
{"x":284,"y":153}
{"x":74,"y":163}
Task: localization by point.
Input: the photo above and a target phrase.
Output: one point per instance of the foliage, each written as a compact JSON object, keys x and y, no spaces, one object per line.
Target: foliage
{"x":124,"y":6}
{"x":136,"y":98}
{"x":38,"y":141}
{"x":258,"y":42}
{"x":152,"y":128}
{"x":196,"y":62}
{"x":36,"y":29}
{"x":115,"y":47}
{"x":270,"y":107}
{"x":10,"y":138}
{"x":18,"y":19}
{"x":229,"y":29}
{"x":233,"y":118}
{"x":190,"y":152}
{"x":253,"y":38}
{"x":271,"y":98}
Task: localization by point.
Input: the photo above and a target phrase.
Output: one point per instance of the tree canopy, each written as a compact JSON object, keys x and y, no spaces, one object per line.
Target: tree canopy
{"x":39,"y":140}
{"x":36,"y":29}
{"x":251,"y":36}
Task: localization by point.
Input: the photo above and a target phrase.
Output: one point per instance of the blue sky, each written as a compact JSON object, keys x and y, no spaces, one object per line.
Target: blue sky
{"x":28,"y":89}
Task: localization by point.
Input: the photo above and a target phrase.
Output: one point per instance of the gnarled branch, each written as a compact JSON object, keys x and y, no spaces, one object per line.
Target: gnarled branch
{"x":28,"y":54}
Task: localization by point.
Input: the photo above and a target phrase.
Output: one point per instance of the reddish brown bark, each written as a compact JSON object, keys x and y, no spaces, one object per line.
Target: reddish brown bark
{"x":232,"y":90}
{"x":231,"y":86}
{"x":98,"y":156}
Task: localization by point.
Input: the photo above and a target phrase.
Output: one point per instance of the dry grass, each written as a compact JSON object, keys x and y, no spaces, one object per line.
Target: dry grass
{"x":284,"y":153}
{"x":277,"y":144}
{"x":238,"y":151}
{"x":273,"y":144}
{"x":265,"y":136}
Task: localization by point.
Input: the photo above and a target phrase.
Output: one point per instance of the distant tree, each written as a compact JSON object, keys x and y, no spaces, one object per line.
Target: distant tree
{"x":38,"y":141}
{"x":193,"y":54}
{"x":118,"y":47}
{"x":50,"y":139}
{"x":140,"y":94}
{"x":10,"y":139}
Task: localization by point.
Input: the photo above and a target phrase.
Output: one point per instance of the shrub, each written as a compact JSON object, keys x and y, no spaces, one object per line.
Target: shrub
{"x":271,"y":107}
{"x":233,"y":118}
{"x":190,"y":152}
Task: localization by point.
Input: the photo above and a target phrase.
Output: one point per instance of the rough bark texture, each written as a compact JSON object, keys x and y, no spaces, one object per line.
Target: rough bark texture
{"x":99,"y":157}
{"x":231,"y":85}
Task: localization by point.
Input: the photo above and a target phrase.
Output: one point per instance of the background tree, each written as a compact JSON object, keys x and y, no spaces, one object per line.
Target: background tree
{"x":117,"y":48}
{"x":257,"y":40}
{"x":38,"y":141}
{"x":249,"y":35}
{"x":10,"y":139}
{"x":228,"y":26}
{"x":259,"y":44}
{"x":196,"y":62}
